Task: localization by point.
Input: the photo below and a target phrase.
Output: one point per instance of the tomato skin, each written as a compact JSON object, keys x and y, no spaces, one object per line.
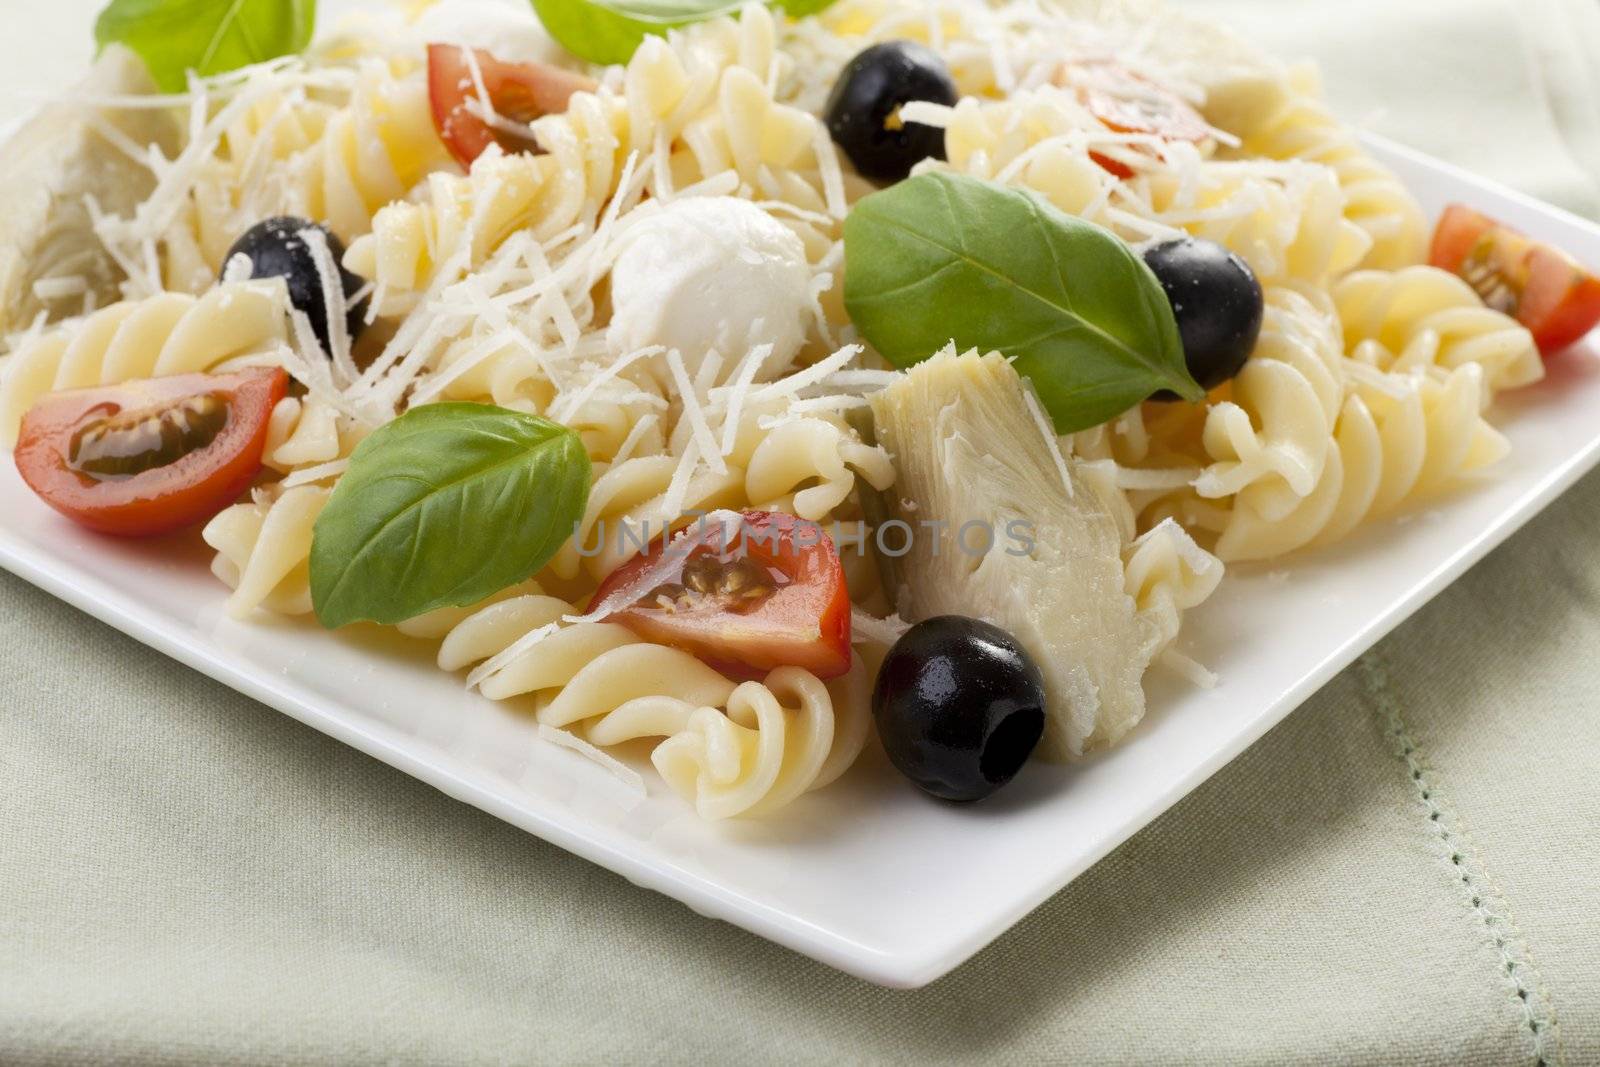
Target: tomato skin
{"x":519,"y":91}
{"x":1554,"y":296}
{"x":804,"y":623}
{"x":1459,"y":231}
{"x":1125,"y":102}
{"x":187,"y":491}
{"x":1562,"y":301}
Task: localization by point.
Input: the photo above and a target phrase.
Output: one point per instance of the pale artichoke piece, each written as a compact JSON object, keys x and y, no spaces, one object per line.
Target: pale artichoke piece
{"x":48,"y":170}
{"x":968,"y":448}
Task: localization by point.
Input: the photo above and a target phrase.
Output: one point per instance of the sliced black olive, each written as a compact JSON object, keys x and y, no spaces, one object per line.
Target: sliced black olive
{"x":275,"y":249}
{"x":959,"y":705}
{"x":1217,"y":301}
{"x":863,"y":111}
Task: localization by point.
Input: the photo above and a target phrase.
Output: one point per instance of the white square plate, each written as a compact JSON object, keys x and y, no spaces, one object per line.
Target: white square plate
{"x":868,"y":875}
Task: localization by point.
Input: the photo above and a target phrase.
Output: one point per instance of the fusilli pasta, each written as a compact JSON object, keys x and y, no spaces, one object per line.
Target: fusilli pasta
{"x":170,"y":333}
{"x":733,"y":749}
{"x":1375,"y":200}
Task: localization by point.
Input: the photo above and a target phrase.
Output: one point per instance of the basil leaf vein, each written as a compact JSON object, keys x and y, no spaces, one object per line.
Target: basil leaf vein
{"x":945,"y":257}
{"x":444,"y":506}
{"x":174,"y":37}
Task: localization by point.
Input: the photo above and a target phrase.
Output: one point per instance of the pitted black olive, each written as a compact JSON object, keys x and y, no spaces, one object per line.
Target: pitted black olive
{"x":863,"y":112}
{"x":959,"y":706}
{"x":1217,"y":301}
{"x":275,"y":249}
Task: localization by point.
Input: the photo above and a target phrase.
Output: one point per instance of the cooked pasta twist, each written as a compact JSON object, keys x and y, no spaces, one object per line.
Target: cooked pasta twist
{"x":1286,"y":219}
{"x":807,"y":467}
{"x":1038,"y":138}
{"x":282,"y":153}
{"x":774,"y":741}
{"x":1166,"y":574}
{"x":240,"y":184}
{"x":1425,"y":318}
{"x":1305,"y":129}
{"x":1404,"y":437}
{"x":628,"y":508}
{"x":1274,"y":433}
{"x":264,"y":549}
{"x":372,"y":151}
{"x":170,"y":333}
{"x":307,"y":431}
{"x":462,"y":216}
{"x":691,"y":109}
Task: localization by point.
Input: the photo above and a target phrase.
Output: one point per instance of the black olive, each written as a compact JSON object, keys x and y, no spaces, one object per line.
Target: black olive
{"x":959,"y":705}
{"x":276,"y":250}
{"x":864,"y":109}
{"x":1217,"y":301}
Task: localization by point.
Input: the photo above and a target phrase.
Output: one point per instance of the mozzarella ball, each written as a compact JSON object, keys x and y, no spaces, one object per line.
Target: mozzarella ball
{"x":706,"y":274}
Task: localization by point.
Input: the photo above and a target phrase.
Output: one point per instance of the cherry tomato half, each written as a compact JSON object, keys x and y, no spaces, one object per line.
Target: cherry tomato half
{"x":769,"y":595}
{"x":1125,"y":102}
{"x":519,"y":91}
{"x":1539,"y":285}
{"x":149,"y":457}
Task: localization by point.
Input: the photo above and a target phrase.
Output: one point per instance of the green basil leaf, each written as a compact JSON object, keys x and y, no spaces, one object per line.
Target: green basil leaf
{"x":944,"y":257}
{"x":608,"y":31}
{"x":205,"y":36}
{"x":444,"y":506}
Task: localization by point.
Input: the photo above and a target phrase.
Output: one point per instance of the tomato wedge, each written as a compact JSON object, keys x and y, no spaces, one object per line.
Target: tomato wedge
{"x":149,"y":457}
{"x":520,"y":92}
{"x":1542,"y":287}
{"x":1126,"y":102}
{"x":769,"y":594}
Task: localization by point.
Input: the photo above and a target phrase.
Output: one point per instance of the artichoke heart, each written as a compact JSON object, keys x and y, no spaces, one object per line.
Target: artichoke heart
{"x":972,"y":456}
{"x":52,"y":166}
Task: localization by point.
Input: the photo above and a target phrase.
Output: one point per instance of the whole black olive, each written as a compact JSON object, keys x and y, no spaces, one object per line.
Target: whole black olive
{"x":959,"y":705}
{"x":863,"y":111}
{"x":275,"y":249}
{"x":1217,"y":301}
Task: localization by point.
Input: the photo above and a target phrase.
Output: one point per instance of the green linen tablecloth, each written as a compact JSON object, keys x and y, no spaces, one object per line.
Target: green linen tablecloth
{"x":1404,"y":872}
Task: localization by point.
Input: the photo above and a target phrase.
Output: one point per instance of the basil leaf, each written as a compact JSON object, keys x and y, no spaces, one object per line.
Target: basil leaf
{"x":443,"y":507}
{"x":944,"y":257}
{"x":205,"y":36}
{"x":608,"y":31}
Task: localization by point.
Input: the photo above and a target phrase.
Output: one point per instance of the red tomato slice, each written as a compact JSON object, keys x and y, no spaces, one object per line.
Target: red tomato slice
{"x":1125,"y":102}
{"x":519,"y":91}
{"x":771,"y":595}
{"x":1545,"y":289}
{"x":149,"y":457}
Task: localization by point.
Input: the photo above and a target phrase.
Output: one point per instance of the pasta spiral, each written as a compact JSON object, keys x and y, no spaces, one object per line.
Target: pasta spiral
{"x":1166,"y":574}
{"x":264,"y":550}
{"x":170,"y":333}
{"x":1414,"y":436}
{"x":732,"y":749}
{"x":691,"y":109}
{"x":806,"y":466}
{"x":1305,"y":129}
{"x":1274,"y":434}
{"x":370,"y":152}
{"x":1286,"y":220}
{"x":1422,"y":317}
{"x":305,"y":431}
{"x":282,"y":153}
